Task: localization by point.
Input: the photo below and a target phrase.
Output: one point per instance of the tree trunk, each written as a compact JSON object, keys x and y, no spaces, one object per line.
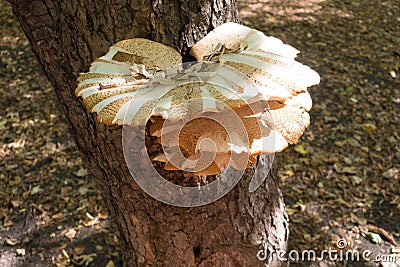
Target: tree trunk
{"x":66,"y":37}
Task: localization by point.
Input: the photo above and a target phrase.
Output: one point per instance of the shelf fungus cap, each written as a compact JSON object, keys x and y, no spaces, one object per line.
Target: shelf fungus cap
{"x":184,"y":91}
{"x":152,"y":55}
{"x":115,"y":78}
{"x":234,"y":36}
{"x":266,"y":61}
{"x":246,"y":96}
{"x":235,"y":137}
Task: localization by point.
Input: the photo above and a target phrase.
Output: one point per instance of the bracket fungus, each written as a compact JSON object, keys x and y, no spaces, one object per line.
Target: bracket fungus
{"x":245,"y":96}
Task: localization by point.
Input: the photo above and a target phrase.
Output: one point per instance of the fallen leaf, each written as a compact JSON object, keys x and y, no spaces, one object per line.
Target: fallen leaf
{"x":353,"y":142}
{"x":16,"y":203}
{"x":110,"y":264}
{"x":36,"y":190}
{"x":349,"y":170}
{"x":356,"y":180}
{"x":12,"y":242}
{"x":78,"y":250}
{"x":90,"y":220}
{"x":70,"y":233}
{"x":20,"y":251}
{"x":368,"y":127}
{"x":84,"y":259}
{"x":375,"y":238}
{"x":59,"y":247}
{"x":289,"y":173}
{"x":83,"y":190}
{"x":392,"y":173}
{"x":81,"y":172}
{"x":290,"y":211}
{"x":300,"y":149}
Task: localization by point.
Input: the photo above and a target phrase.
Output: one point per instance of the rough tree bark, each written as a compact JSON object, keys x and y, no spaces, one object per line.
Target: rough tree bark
{"x":66,"y":37}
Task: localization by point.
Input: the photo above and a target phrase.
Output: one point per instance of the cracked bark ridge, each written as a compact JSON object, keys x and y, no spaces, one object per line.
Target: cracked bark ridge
{"x":67,"y":36}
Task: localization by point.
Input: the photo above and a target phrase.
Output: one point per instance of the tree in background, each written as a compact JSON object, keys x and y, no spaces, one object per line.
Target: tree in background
{"x":67,"y":36}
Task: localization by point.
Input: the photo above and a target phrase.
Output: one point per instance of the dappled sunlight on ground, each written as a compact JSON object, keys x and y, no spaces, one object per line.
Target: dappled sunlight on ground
{"x":342,"y":179}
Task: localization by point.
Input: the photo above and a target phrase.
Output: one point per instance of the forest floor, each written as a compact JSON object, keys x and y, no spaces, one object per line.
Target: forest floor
{"x":340,"y":182}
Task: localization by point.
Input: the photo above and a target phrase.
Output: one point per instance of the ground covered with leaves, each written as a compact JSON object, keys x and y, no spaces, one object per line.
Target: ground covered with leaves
{"x":341,"y":182}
